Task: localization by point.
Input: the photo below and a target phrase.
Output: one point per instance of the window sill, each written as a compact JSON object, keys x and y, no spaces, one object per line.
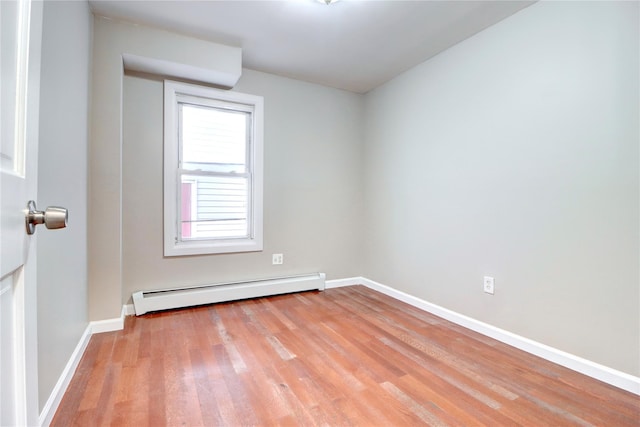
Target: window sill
{"x":207,"y":248}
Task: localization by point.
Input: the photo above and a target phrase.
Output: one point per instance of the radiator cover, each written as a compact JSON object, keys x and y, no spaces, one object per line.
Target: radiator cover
{"x":146,"y":301}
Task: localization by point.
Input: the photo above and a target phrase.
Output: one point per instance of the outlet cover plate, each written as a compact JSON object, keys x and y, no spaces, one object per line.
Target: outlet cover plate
{"x":488,"y":285}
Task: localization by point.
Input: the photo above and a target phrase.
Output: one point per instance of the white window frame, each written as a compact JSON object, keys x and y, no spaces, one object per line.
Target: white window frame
{"x":172,"y":245}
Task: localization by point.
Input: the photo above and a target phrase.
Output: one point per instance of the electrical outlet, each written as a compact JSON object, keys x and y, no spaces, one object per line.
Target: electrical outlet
{"x":488,"y":284}
{"x":277,"y":259}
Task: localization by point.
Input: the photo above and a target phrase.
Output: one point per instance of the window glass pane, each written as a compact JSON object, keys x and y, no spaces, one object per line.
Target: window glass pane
{"x":213,"y":139}
{"x":214,"y":207}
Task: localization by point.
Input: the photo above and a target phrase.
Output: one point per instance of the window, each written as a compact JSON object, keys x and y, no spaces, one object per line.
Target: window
{"x":212,"y":170}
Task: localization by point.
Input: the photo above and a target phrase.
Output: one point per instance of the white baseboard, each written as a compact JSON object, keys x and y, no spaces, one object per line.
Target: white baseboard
{"x":109,"y":325}
{"x":338,"y":283}
{"x":129,"y":310}
{"x":594,"y":370}
{"x":51,"y":406}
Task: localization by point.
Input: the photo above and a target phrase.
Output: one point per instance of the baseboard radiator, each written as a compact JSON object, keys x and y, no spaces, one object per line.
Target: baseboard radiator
{"x":146,"y":301}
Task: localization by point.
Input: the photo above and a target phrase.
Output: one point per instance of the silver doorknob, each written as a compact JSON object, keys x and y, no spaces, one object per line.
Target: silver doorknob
{"x":53,"y":217}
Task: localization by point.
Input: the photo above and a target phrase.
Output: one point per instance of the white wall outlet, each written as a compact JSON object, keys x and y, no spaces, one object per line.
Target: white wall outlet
{"x":488,"y":284}
{"x":277,"y":259}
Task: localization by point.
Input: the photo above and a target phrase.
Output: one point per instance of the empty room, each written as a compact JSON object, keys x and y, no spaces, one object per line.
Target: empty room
{"x":314,"y":212}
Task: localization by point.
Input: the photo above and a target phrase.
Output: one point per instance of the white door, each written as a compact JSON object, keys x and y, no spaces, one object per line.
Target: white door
{"x":20,"y":45}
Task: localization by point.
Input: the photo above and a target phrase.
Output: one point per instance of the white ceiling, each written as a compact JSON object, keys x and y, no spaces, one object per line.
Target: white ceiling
{"x":352,"y":45}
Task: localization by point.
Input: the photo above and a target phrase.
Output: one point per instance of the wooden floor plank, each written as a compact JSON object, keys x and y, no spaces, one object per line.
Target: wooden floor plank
{"x":345,"y":356}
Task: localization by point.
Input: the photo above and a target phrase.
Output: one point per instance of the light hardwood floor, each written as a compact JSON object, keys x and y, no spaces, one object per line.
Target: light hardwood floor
{"x":346,"y":356}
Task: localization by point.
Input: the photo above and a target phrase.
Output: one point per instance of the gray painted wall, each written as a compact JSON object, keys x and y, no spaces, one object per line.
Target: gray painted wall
{"x":62,"y":181}
{"x":514,"y":154}
{"x":312,"y":187}
{"x":111,"y":39}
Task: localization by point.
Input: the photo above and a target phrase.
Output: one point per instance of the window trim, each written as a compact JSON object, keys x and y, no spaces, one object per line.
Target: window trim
{"x":173,"y":247}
